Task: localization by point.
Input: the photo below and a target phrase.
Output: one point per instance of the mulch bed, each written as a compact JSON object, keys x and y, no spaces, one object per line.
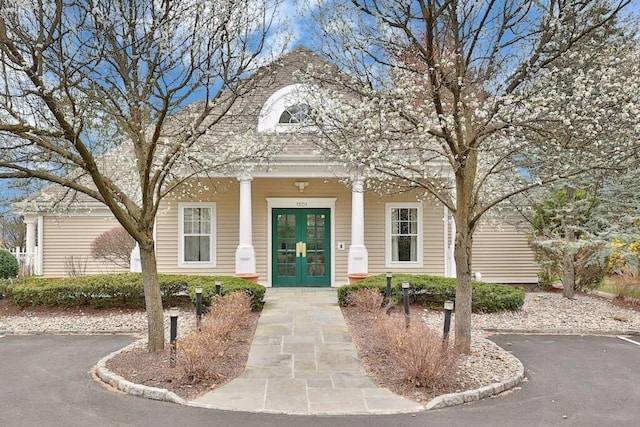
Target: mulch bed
{"x":153,"y":369}
{"x":379,"y":366}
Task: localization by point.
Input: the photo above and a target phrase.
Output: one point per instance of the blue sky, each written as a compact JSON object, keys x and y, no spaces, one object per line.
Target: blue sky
{"x":293,"y":28}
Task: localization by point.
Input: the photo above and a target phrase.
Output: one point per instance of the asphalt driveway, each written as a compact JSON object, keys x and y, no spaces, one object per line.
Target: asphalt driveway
{"x":585,"y":381}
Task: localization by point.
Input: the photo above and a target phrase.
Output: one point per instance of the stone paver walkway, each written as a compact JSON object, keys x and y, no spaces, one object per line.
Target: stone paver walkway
{"x":302,"y":361}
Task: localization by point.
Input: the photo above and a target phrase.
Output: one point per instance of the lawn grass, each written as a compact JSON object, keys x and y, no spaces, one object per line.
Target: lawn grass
{"x":622,"y":286}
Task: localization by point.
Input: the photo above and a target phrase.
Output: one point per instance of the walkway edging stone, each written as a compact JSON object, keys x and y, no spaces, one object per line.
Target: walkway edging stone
{"x":455,"y":399}
{"x":154,"y":393}
{"x":439,"y":402}
{"x":126,"y":386}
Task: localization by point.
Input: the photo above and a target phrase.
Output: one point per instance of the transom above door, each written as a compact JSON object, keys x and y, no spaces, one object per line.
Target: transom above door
{"x":301,"y":247}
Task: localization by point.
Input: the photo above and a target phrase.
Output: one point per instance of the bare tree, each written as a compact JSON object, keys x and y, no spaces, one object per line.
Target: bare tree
{"x":460,"y":99}
{"x":12,"y":231}
{"x":123,"y":101}
{"x":115,"y":246}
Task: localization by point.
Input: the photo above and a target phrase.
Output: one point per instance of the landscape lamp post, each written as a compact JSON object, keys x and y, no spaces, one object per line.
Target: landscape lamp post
{"x":173,"y":316}
{"x":388,"y":291}
{"x":198,"y":306}
{"x":218,"y":287}
{"x":405,"y":299}
{"x":448,"y":308}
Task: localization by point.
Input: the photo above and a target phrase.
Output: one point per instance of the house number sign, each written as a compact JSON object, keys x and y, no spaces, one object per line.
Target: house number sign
{"x":301,"y":204}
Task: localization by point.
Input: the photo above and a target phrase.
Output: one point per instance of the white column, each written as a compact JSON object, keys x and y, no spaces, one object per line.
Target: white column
{"x":452,"y":243}
{"x":40,"y":247}
{"x":30,"y":256}
{"x":445,"y":233}
{"x":135,"y":264}
{"x":245,"y":253}
{"x":452,"y":240}
{"x":358,"y":256}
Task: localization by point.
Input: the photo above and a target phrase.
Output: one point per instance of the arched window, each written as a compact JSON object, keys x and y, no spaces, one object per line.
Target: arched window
{"x":288,"y":110}
{"x":296,"y":114}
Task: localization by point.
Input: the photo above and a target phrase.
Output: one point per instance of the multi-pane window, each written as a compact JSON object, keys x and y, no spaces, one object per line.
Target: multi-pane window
{"x":404,"y":234}
{"x":197,"y":234}
{"x":296,"y":114}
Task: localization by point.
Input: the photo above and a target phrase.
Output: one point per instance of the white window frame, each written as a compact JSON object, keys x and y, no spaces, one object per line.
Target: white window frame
{"x":389,"y":263}
{"x":212,"y":247}
{"x":269,"y":118}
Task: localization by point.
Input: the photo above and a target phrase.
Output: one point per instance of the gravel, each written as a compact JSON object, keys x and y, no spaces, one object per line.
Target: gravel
{"x":487,"y":364}
{"x":541,"y":313}
{"x":84,"y":323}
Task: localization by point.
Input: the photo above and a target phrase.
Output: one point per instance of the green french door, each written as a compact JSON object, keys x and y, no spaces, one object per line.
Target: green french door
{"x":301,"y":247}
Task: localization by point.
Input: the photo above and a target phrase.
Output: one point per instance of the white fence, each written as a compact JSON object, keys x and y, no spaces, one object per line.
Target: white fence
{"x":28,"y":262}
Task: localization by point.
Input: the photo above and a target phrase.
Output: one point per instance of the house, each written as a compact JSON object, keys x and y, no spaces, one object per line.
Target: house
{"x":295,"y":222}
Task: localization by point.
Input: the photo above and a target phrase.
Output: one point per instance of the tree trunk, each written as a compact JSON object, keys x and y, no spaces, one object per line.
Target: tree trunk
{"x":462,"y":255}
{"x":465,"y":175}
{"x":152,"y":298}
{"x":569,"y":258}
{"x":568,"y":274}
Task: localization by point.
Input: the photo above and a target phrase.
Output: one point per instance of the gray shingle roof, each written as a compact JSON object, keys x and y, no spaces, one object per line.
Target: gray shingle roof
{"x":243,"y":116}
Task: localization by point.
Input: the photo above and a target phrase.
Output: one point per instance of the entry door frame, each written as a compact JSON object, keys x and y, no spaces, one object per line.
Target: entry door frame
{"x":301,"y":203}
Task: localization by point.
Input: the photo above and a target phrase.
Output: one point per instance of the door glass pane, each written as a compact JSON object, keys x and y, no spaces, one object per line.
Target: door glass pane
{"x":315,"y":245}
{"x":286,"y":245}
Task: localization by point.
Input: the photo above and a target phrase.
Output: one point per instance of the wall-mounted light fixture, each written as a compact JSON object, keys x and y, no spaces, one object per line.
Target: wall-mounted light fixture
{"x":301,"y":185}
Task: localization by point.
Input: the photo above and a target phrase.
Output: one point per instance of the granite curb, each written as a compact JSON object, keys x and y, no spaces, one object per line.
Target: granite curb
{"x":69,"y":332}
{"x":439,"y":402}
{"x":118,"y":382}
{"x":459,"y":398}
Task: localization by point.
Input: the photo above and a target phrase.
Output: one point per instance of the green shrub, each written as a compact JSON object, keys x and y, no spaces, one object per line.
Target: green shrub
{"x":5,"y":288}
{"x":105,"y":290}
{"x":228,"y":284}
{"x":122,"y":290}
{"x":8,"y":265}
{"x":433,"y":291}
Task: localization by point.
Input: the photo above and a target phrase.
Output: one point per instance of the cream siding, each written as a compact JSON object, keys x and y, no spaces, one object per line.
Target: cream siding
{"x":225,"y":195}
{"x":67,"y":241}
{"x":502,"y":254}
{"x":432,"y":239}
{"x":227,"y":223}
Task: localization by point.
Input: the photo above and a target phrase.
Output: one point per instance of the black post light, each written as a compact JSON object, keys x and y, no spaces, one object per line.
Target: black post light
{"x":448,"y":308}
{"x":198,"y":306}
{"x":405,"y":298}
{"x":218,"y":287}
{"x":388,"y":291}
{"x":173,"y":316}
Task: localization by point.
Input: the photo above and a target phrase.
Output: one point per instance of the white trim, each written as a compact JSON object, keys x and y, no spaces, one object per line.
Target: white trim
{"x":509,"y":280}
{"x":40,"y":247}
{"x":214,"y":242}
{"x":81,"y":211}
{"x":300,"y":203}
{"x":445,"y":222}
{"x":387,"y":236}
